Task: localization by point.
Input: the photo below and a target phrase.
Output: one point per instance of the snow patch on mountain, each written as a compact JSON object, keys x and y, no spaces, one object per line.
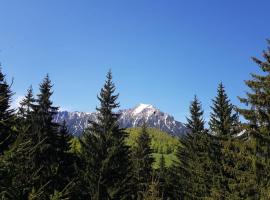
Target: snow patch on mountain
{"x":141,"y":107}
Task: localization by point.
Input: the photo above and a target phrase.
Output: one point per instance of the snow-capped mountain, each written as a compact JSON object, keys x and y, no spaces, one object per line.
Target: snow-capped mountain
{"x":78,"y":121}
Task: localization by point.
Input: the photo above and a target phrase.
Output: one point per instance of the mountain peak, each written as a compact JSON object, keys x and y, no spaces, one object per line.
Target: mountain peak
{"x":141,"y":107}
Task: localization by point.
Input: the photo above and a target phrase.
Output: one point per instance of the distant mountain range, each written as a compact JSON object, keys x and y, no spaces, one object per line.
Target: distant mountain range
{"x":134,"y":117}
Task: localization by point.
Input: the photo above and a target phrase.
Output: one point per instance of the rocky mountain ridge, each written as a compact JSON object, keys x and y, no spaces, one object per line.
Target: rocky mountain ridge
{"x":134,"y":117}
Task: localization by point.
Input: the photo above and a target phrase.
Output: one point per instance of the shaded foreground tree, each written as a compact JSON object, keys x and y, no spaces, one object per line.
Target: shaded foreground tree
{"x":257,"y":114}
{"x":224,"y":127}
{"x":8,"y":134}
{"x":7,"y":116}
{"x":193,"y":157}
{"x":107,"y":170}
{"x":143,"y":161}
{"x":38,"y":162}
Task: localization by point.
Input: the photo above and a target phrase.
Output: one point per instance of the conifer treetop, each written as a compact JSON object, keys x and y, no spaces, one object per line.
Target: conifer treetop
{"x":195,"y":121}
{"x":223,"y":117}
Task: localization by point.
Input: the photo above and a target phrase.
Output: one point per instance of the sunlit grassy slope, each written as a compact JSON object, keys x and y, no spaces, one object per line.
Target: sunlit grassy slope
{"x":162,"y":143}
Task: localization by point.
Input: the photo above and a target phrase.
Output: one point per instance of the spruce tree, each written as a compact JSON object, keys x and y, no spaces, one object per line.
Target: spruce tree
{"x":195,"y":123}
{"x":223,"y":118}
{"x":67,"y":163}
{"x":256,"y":113}
{"x":193,"y":156}
{"x":7,"y":136}
{"x":19,"y":166}
{"x":223,"y":121}
{"x":107,"y":168}
{"x":143,"y":160}
{"x":45,"y":131}
{"x":48,"y":159}
{"x":17,"y":159}
{"x":7,"y":117}
{"x":26,"y":104}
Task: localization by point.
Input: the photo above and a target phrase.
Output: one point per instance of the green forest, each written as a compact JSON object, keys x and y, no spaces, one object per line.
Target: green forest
{"x":223,"y":159}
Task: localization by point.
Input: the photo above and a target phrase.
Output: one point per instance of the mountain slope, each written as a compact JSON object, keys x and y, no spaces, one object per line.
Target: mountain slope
{"x":78,"y":121}
{"x":161,"y":143}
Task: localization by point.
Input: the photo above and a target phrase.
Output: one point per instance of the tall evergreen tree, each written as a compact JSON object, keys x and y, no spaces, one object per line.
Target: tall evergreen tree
{"x":45,"y":130}
{"x":7,"y":135}
{"x":143,"y":160}
{"x":193,"y":156}
{"x":6,"y":115}
{"x":223,"y":127}
{"x":48,"y":157}
{"x":17,"y":159}
{"x":26,"y":104}
{"x":67,"y":163}
{"x":257,"y":114}
{"x":107,"y":163}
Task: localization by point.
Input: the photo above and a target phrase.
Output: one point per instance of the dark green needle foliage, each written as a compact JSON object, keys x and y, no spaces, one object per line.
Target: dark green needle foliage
{"x":26,"y":104}
{"x":223,"y":119}
{"x":224,"y":126}
{"x":195,"y":122}
{"x":107,"y":170}
{"x":8,"y":135}
{"x":193,"y":157}
{"x":257,"y":115}
{"x":45,"y":153}
{"x":45,"y":132}
{"x":163,"y":180}
{"x":143,"y":161}
{"x":7,"y":117}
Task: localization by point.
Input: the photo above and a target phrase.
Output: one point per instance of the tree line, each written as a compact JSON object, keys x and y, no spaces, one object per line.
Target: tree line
{"x":228,"y":160}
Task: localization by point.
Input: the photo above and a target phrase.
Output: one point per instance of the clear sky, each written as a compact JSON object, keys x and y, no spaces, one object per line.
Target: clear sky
{"x":161,"y":52}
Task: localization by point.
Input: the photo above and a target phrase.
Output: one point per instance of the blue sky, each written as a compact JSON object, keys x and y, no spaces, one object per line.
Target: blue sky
{"x":160,"y":52}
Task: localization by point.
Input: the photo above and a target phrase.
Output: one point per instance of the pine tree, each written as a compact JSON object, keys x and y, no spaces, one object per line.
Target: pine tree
{"x":19,"y":167}
{"x":40,"y":160}
{"x":223,"y":127}
{"x":45,"y":131}
{"x":67,"y":163}
{"x":7,"y":136}
{"x":7,"y":117}
{"x":223,"y":119}
{"x":16,"y":163}
{"x":195,"y":122}
{"x":49,"y":159}
{"x":143,"y":160}
{"x":26,"y":104}
{"x":21,"y":157}
{"x":257,"y":112}
{"x":193,"y":156}
{"x":107,"y":168}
